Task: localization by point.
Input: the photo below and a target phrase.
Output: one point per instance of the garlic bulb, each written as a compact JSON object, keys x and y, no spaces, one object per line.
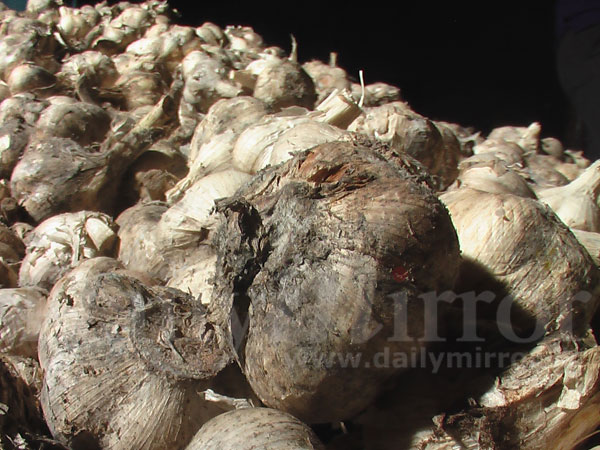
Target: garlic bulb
{"x":99,"y":70}
{"x":494,"y":177}
{"x":577,"y":203}
{"x":507,"y":151}
{"x":395,"y":124}
{"x":546,"y":400}
{"x":22,"y":311}
{"x":123,"y":30}
{"x":335,"y":228}
{"x":205,"y":81}
{"x":375,"y":94}
{"x":267,"y":143}
{"x":184,"y":222}
{"x":528,"y":138}
{"x":211,"y":34}
{"x":124,"y":362}
{"x":577,"y":158}
{"x":58,"y":175}
{"x":137,"y":250}
{"x":84,"y":123}
{"x":285,"y":84}
{"x":243,"y":38}
{"x":24,"y":107}
{"x":249,"y":428}
{"x":59,"y":243}
{"x":75,"y":24}
{"x":326,"y":77}
{"x":227,"y":115}
{"x":30,"y":78}
{"x":521,"y":244}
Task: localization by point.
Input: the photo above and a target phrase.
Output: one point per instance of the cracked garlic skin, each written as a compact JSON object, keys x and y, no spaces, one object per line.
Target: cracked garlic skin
{"x":123,"y":361}
{"x":339,"y":228}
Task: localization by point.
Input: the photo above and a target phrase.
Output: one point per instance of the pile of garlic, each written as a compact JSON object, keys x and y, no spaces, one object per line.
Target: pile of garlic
{"x":179,"y":203}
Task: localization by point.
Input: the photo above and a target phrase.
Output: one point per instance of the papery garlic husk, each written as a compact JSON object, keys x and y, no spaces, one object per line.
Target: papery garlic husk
{"x":243,"y":38}
{"x":185,"y":227}
{"x":25,"y":107}
{"x":227,"y":115}
{"x":22,"y":311}
{"x":577,"y":203}
{"x":285,"y":84}
{"x":337,"y":225}
{"x":141,"y":88}
{"x":395,"y":124}
{"x":523,"y":246}
{"x":153,"y":174}
{"x":509,"y":152}
{"x":494,"y":177}
{"x":58,"y":175}
{"x":577,"y":158}
{"x":542,"y":170}
{"x":61,"y":242}
{"x":124,"y":362}
{"x":197,"y":278}
{"x":211,"y":34}
{"x":327,"y":78}
{"x":375,"y":94}
{"x":98,"y":69}
{"x":271,"y":140}
{"x":548,"y":400}
{"x":591,"y":241}
{"x":84,"y":123}
{"x":38,"y":6}
{"x":138,"y":250}
{"x":123,"y":30}
{"x":248,"y":428}
{"x":275,"y":138}
{"x":75,"y":23}
{"x":29,"y":77}
{"x":206,"y":81}
{"x":528,"y":138}
{"x":21,"y":421}
{"x":37,"y":47}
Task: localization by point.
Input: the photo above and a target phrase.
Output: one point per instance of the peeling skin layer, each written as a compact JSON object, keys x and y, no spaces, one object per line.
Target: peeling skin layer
{"x":310,"y":251}
{"x":123,"y":362}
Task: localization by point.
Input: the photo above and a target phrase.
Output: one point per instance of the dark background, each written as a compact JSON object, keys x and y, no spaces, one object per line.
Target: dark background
{"x":483,"y":64}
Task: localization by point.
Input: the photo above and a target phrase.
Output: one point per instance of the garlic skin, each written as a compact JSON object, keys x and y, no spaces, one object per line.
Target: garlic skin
{"x":250,"y":428}
{"x":528,"y":138}
{"x":335,"y":228}
{"x":591,"y":241}
{"x":61,"y":242}
{"x":22,"y":311}
{"x":122,"y":370}
{"x":406,"y":131}
{"x":522,"y":244}
{"x":577,"y":203}
{"x":492,"y":176}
